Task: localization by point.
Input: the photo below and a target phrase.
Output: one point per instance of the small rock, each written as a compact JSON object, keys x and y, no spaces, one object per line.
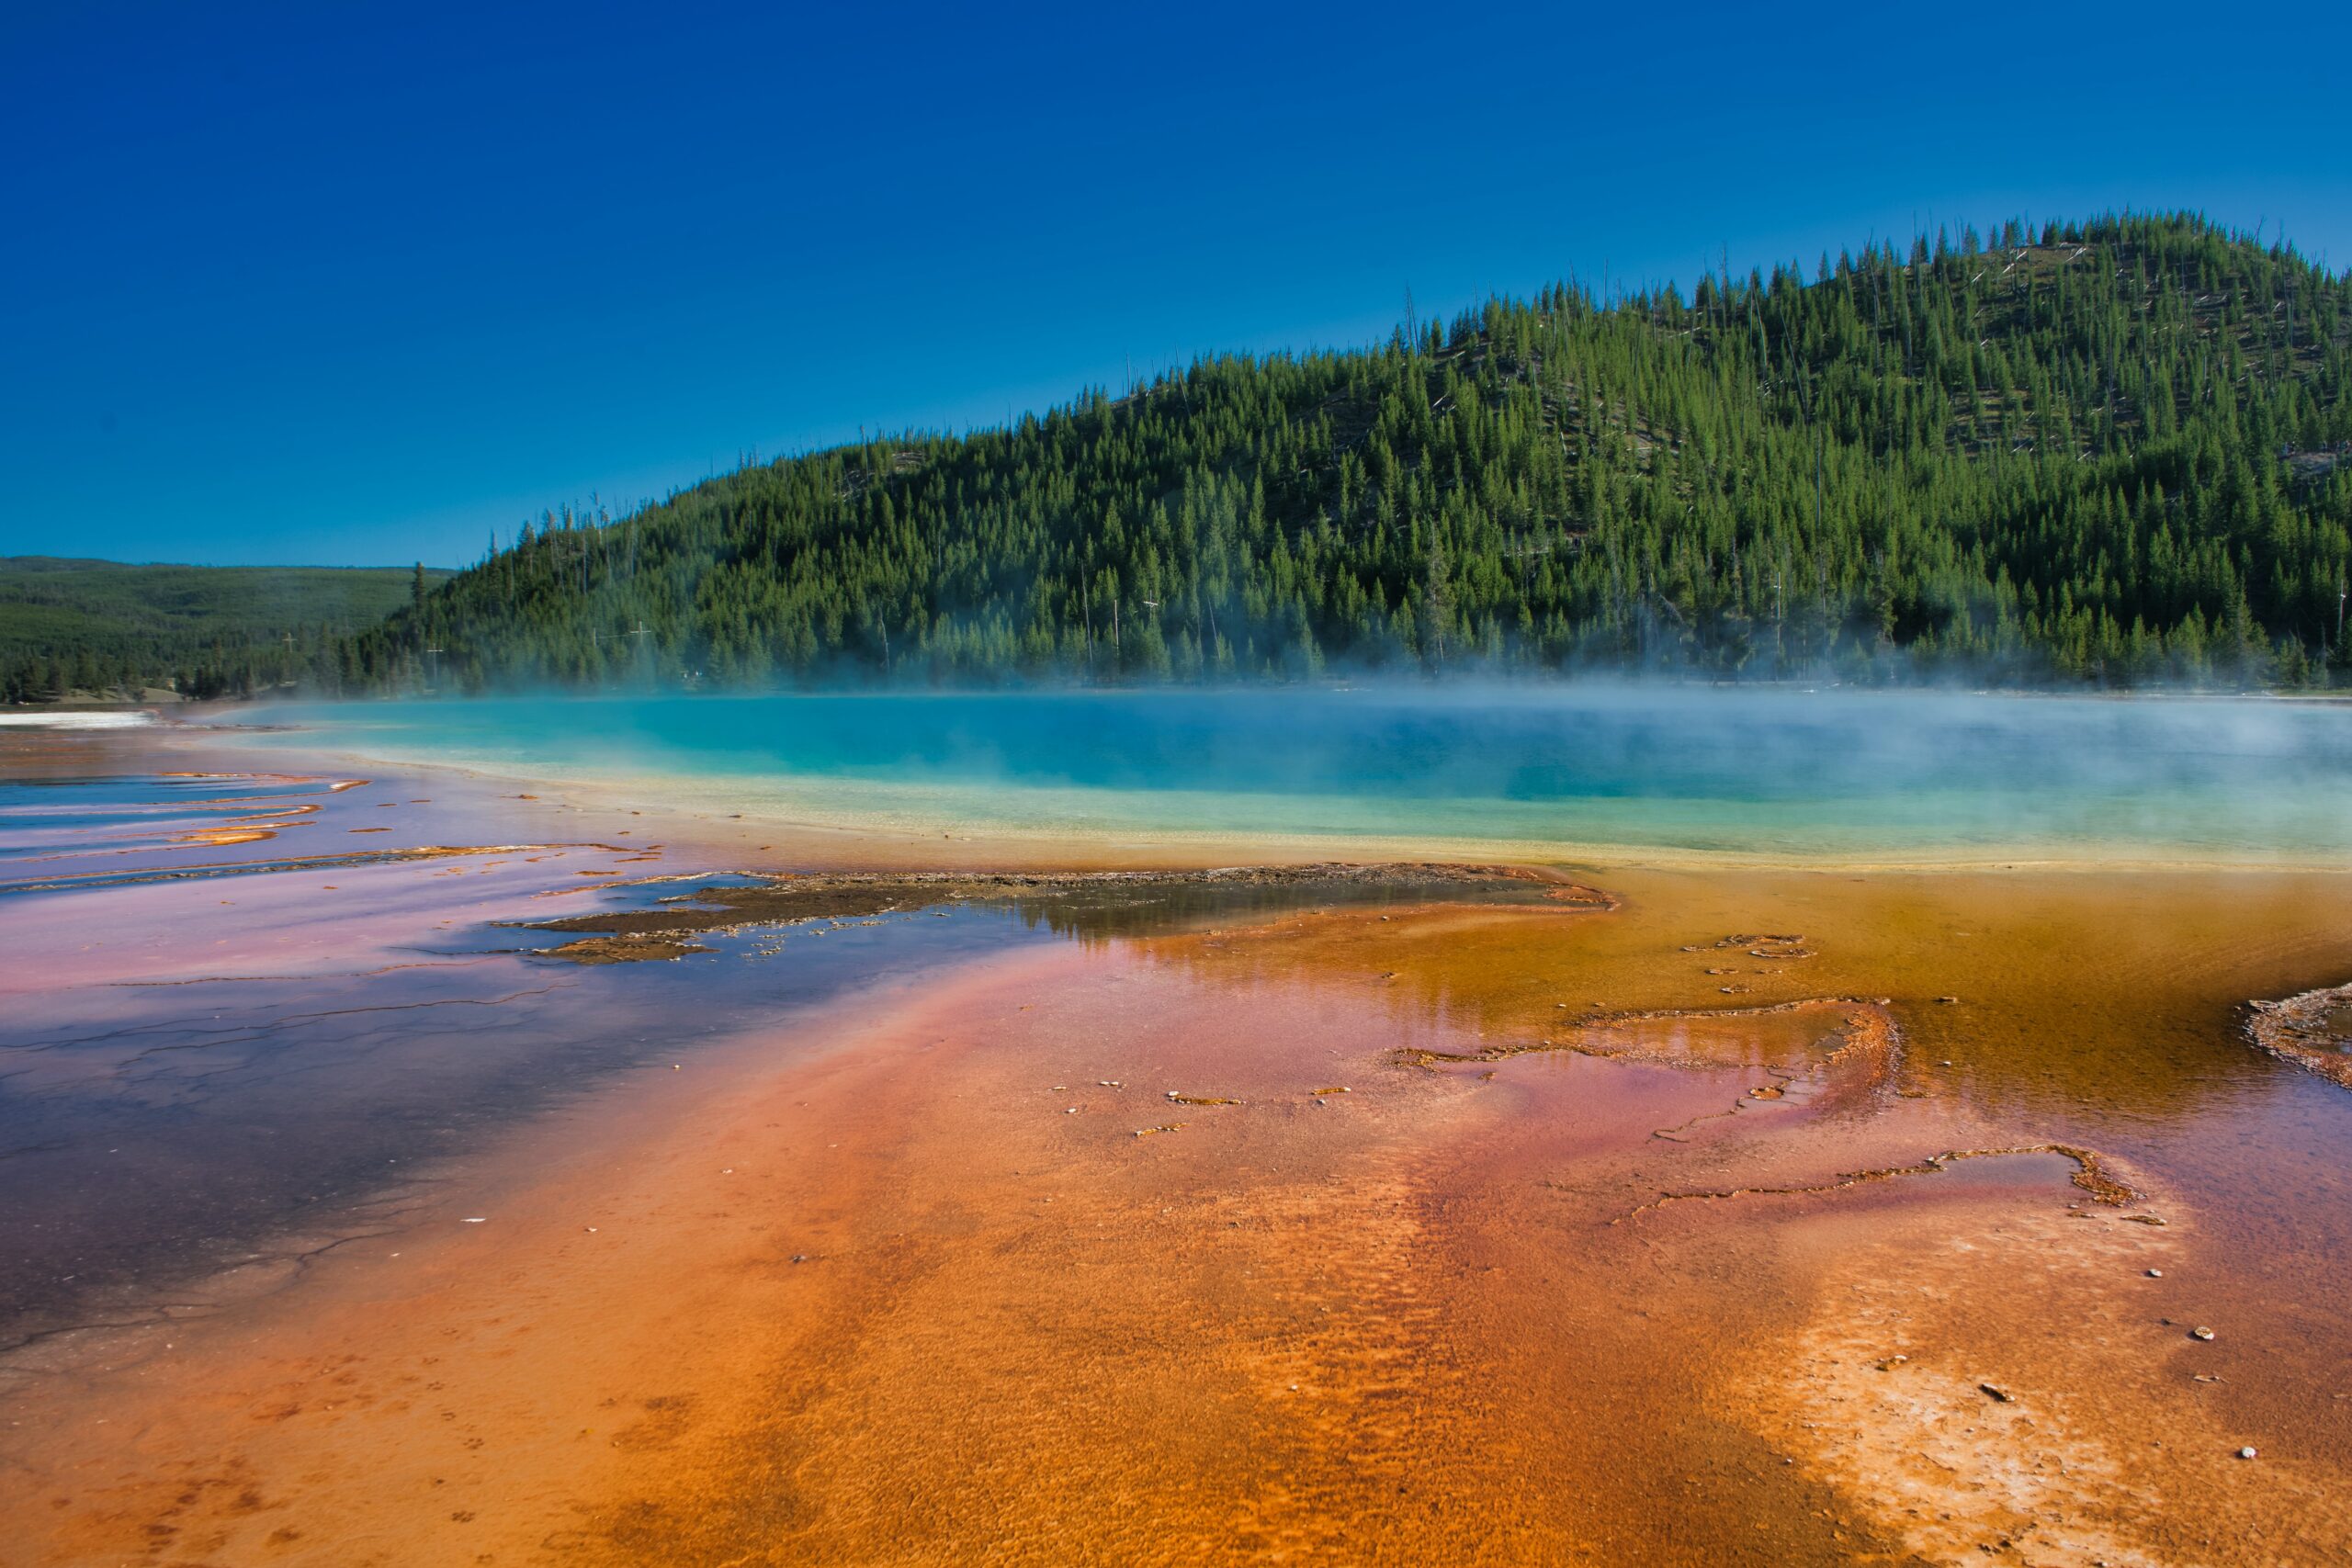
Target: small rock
{"x":2200,"y":1332}
{"x":1948,"y":1000}
{"x":1998,"y":1395}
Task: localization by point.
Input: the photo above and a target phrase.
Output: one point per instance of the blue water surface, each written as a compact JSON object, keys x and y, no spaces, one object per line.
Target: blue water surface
{"x":1774,"y":771}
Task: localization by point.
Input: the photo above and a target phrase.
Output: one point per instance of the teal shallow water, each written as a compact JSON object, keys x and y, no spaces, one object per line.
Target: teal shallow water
{"x":1779,"y":772}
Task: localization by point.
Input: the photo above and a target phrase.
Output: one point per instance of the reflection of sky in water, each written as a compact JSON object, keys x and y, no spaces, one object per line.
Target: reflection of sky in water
{"x":1754,"y":771}
{"x":44,"y":819}
{"x":164,"y":1113}
{"x":156,"y":1131}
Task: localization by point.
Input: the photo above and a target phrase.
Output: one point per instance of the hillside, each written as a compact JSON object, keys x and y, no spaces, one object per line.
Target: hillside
{"x":2111,"y":452}
{"x":96,"y":627}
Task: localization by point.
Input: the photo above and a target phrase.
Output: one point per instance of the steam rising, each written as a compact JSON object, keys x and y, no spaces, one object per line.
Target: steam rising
{"x":1774,"y":772}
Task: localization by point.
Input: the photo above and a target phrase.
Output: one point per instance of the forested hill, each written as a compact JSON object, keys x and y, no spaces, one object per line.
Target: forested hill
{"x":2112,"y":451}
{"x":94,"y":630}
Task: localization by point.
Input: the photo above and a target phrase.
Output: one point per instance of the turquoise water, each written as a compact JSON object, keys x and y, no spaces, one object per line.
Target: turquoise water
{"x":1771,"y":773}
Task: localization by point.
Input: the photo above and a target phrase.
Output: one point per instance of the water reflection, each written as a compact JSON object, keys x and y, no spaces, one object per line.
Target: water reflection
{"x":222,"y":1059}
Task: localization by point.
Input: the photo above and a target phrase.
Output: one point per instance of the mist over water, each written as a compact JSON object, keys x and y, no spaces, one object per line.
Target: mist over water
{"x":1769,"y":773}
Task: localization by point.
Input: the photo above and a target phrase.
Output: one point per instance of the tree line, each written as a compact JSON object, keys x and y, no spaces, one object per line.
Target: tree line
{"x":96,"y":630}
{"x":2111,"y":453}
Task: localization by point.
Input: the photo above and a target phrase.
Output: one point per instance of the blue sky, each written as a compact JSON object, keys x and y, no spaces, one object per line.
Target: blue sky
{"x":356,"y":283}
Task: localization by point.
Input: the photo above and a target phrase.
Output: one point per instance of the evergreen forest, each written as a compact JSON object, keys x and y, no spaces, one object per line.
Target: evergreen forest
{"x":2114,"y":453}
{"x":99,"y":630}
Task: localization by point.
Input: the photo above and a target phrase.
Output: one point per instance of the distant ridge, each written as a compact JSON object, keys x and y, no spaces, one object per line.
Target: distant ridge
{"x":94,"y":630}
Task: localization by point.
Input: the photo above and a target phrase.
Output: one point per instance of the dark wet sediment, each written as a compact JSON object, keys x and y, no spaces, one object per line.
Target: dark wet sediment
{"x":1086,"y":904}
